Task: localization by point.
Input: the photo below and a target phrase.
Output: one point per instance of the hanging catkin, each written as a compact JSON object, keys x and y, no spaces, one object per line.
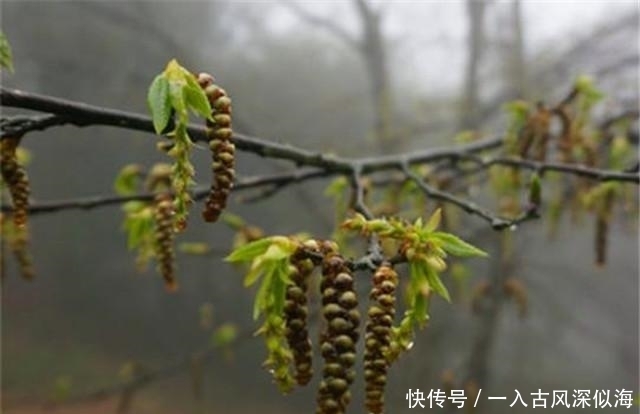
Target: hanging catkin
{"x":338,"y":340}
{"x":15,"y":177}
{"x":220,"y":136}
{"x":381,"y":314}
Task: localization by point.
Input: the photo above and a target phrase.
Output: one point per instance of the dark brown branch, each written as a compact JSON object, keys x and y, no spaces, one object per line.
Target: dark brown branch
{"x":496,"y":222}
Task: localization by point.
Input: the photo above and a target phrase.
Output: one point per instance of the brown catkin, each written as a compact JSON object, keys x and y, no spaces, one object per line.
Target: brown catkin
{"x":339,"y":338}
{"x":164,"y":234}
{"x":220,"y":136}
{"x":378,"y":336}
{"x":16,"y":180}
{"x":296,"y":312}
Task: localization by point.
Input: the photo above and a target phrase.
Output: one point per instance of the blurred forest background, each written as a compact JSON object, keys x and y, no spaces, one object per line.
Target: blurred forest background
{"x":306,"y":73}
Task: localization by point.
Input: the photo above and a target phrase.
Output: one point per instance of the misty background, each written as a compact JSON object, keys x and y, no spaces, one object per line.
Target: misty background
{"x":309,"y":74}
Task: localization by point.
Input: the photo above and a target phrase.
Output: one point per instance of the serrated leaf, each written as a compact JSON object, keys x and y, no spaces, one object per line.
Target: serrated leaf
{"x":456,"y":246}
{"x":6,"y":57}
{"x":249,"y":251}
{"x":159,"y":103}
{"x":435,"y":282}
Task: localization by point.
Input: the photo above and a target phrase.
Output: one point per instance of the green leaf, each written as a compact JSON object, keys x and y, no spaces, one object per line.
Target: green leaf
{"x":196,"y":99}
{"x":6,"y":57}
{"x":262,"y":297}
{"x":278,"y":292}
{"x":276,"y":252}
{"x":456,"y":246}
{"x":254,"y":273}
{"x":420,"y":311}
{"x":249,"y":251}
{"x":178,"y":101}
{"x":336,"y":187}
{"x":436,"y":283}
{"x":127,"y":179}
{"x":159,"y":103}
{"x":434,"y":221}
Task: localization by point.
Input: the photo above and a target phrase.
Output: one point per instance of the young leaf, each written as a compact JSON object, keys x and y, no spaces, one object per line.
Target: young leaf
{"x":434,"y":221}
{"x":125,"y":182}
{"x":456,"y":246}
{"x":436,"y":283}
{"x":262,"y":297}
{"x":254,"y":273}
{"x":275,"y":253}
{"x":249,"y":251}
{"x":278,"y":289}
{"x":196,"y":99}
{"x":159,"y":103}
{"x":6,"y":58}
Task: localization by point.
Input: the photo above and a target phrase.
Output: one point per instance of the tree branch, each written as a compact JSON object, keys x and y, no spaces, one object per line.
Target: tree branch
{"x":63,"y":112}
{"x":323,"y":23}
{"x":87,"y":203}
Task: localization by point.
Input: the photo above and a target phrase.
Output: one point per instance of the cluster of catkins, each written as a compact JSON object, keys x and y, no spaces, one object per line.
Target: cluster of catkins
{"x":340,"y":332}
{"x":220,"y":136}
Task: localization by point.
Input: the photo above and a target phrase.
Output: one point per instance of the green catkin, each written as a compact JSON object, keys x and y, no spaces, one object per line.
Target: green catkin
{"x":340,"y":335}
{"x":220,"y":136}
{"x":16,"y":180}
{"x":378,"y":336}
{"x":164,"y":235}
{"x":296,"y":312}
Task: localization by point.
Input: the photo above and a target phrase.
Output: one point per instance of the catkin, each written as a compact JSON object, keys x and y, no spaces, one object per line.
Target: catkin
{"x":16,"y":180}
{"x":220,"y":136}
{"x":164,"y":234}
{"x":338,"y":340}
{"x":378,"y":336}
{"x":296,"y":312}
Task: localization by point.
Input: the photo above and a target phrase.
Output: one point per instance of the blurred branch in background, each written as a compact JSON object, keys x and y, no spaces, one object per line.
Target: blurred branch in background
{"x":371,"y":48}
